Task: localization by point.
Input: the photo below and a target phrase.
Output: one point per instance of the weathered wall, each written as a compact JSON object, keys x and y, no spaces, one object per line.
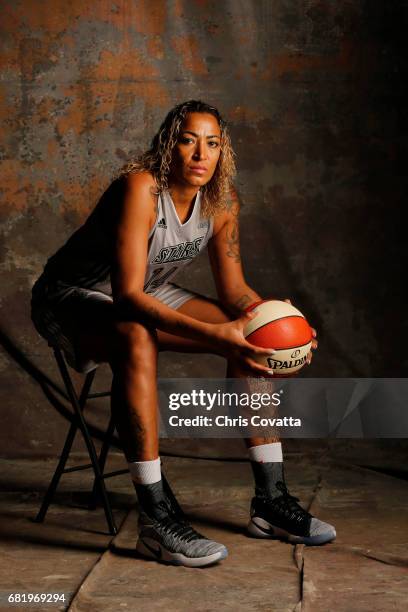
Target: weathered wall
{"x":313,"y":92}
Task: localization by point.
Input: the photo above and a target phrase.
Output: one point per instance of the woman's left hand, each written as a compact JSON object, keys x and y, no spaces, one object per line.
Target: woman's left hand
{"x":314,"y":342}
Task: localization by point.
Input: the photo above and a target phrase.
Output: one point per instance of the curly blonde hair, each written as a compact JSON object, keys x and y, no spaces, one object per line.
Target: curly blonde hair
{"x":157,"y":159}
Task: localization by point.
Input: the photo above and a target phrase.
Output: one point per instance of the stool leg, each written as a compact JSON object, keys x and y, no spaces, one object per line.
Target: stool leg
{"x":89,"y":444}
{"x":64,"y":454}
{"x":102,"y":460}
{"x":57,"y":474}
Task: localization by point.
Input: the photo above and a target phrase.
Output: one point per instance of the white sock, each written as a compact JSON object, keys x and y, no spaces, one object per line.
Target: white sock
{"x":266,"y":453}
{"x":145,"y":472}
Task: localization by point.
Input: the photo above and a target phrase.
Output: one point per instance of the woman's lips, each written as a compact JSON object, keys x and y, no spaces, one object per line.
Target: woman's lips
{"x":198,"y":170}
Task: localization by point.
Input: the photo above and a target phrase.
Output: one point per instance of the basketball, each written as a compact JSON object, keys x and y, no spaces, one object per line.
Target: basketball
{"x":280,"y":326}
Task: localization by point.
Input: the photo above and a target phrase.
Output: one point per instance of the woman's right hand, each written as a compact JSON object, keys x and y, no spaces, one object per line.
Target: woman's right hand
{"x":229,"y":337}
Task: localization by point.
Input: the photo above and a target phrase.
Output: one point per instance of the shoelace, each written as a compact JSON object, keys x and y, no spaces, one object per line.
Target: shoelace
{"x":176,"y":525}
{"x":287,"y":505}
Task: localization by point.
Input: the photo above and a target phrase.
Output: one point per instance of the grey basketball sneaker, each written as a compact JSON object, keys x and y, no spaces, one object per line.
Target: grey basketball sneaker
{"x":169,"y":538}
{"x":284,"y":519}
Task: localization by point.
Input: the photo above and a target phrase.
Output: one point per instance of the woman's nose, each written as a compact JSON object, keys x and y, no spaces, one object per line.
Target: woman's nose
{"x":201,"y":151}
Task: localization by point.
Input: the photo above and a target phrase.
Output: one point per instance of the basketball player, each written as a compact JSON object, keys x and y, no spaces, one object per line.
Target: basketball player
{"x":108,"y":296}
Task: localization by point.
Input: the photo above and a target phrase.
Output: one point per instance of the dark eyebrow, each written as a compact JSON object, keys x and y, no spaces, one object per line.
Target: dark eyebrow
{"x":196,"y":135}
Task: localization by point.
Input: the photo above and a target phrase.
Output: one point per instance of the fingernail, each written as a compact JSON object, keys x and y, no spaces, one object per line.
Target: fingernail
{"x":271,"y":352}
{"x":270,"y":372}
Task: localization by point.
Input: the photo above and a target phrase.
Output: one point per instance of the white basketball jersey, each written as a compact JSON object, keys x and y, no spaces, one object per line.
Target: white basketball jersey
{"x":173,"y":245}
{"x":85,"y":259}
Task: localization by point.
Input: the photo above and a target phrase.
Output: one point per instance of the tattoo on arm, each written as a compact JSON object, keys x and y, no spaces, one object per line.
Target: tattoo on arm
{"x":232,"y":202}
{"x":155,"y":318}
{"x":153,"y":313}
{"x":232,"y":241}
{"x":232,"y":229}
{"x":243,"y":302}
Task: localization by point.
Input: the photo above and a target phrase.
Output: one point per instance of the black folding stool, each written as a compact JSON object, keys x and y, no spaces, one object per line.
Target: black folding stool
{"x":97,"y":463}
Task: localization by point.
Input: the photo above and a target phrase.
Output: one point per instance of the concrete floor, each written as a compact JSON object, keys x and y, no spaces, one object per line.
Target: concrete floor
{"x":365,"y":569}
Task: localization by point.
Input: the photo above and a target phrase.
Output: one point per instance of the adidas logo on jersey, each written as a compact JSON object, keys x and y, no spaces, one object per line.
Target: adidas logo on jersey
{"x":162,"y":223}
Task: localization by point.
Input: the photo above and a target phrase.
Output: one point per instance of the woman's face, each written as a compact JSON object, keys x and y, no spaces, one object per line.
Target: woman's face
{"x":197,"y":151}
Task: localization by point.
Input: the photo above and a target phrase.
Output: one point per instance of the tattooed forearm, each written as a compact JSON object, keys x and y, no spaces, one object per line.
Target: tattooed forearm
{"x":243,"y":302}
{"x":142,"y":309}
{"x":153,"y":314}
{"x":157,"y":319}
{"x":232,"y":241}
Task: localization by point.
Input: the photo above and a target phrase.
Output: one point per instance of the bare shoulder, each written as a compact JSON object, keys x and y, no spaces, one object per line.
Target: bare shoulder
{"x":140,"y":182}
{"x":140,"y":194}
{"x":229,"y":213}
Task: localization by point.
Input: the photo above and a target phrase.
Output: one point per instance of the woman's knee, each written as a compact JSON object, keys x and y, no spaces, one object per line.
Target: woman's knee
{"x":134,"y":343}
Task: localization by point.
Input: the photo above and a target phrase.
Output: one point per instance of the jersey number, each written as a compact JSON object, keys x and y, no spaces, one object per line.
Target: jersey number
{"x":157,"y":278}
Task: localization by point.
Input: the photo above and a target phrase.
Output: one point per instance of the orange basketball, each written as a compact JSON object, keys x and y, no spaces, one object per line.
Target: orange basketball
{"x":283,"y":327}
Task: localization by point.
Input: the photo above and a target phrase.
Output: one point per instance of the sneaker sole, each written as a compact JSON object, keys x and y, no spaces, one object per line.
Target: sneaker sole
{"x":259,"y":528}
{"x":162,"y":555}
